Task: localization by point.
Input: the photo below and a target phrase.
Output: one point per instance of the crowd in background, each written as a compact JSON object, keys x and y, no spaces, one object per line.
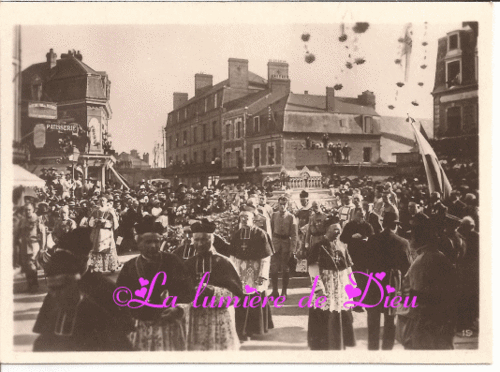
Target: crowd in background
{"x":357,"y":210}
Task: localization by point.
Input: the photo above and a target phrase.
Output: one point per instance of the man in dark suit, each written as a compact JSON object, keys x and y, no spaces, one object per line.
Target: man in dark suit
{"x":456,"y":206}
{"x":387,"y":252}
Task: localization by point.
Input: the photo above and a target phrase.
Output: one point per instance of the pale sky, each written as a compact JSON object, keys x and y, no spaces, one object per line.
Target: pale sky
{"x":146,"y":64}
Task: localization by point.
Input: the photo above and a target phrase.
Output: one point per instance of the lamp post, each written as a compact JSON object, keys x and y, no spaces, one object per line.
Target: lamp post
{"x":74,"y":159}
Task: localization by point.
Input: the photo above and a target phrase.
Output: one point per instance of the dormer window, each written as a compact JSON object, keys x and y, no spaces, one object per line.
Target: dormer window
{"x":453,"y":73}
{"x":368,"y":125}
{"x":453,"y":42}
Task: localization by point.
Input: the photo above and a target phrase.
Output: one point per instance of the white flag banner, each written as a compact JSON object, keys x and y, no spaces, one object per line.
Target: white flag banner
{"x":436,"y":177}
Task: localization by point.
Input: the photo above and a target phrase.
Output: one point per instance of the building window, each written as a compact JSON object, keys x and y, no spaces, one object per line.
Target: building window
{"x":204,"y":132}
{"x":342,"y":123}
{"x":228,"y":131}
{"x":454,"y":120}
{"x":204,"y":158}
{"x":214,"y":153}
{"x":227,"y":159}
{"x":256,"y":156}
{"x":238,"y":128}
{"x":216,"y":100}
{"x":195,"y":134}
{"x":195,"y":157}
{"x":453,"y":73}
{"x":178,"y":116}
{"x":256,"y":124}
{"x":177,"y":159}
{"x":185,"y":138}
{"x":271,"y":154}
{"x":177,"y":140}
{"x":214,"y":129}
{"x":453,"y":42}
{"x":206,"y":104}
{"x":184,"y":157}
{"x":476,"y":65}
{"x":368,"y":124}
{"x":185,"y":113}
{"x":367,"y":154}
{"x":239,"y":159}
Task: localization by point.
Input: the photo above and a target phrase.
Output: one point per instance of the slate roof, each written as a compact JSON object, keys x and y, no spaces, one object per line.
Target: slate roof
{"x":314,"y":103}
{"x":397,"y":135}
{"x":246,"y":100}
{"x":399,"y":129}
{"x":253,"y":79}
{"x":82,"y":85}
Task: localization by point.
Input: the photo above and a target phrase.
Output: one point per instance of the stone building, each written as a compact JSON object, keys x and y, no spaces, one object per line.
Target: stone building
{"x":132,"y":161}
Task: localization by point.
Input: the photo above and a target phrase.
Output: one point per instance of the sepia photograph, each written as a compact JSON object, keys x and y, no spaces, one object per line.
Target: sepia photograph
{"x":281,"y":187}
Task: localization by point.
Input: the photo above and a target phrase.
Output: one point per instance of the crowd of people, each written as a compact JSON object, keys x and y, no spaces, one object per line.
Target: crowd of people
{"x":336,"y":152}
{"x":428,"y":247}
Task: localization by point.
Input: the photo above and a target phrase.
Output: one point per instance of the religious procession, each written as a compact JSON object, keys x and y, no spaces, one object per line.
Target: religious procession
{"x":268,"y":220}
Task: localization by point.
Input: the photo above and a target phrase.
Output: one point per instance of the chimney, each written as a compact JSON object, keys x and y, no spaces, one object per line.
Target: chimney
{"x":330,"y":99}
{"x":134,"y":153}
{"x":473,"y":25}
{"x":238,"y":73}
{"x":145,"y":157}
{"x":79,"y":56}
{"x":367,"y":98}
{"x":202,"y":81}
{"x":51,"y":58}
{"x":277,"y":76}
{"x":306,"y":92}
{"x":179,"y":99}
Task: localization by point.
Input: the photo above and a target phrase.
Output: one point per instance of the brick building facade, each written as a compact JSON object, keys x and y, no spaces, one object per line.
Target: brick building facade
{"x":193,"y":130}
{"x":456,"y":107}
{"x":261,"y":126}
{"x":61,"y":98}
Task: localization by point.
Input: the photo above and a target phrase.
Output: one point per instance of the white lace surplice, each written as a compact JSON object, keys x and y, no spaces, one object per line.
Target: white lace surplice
{"x":213,"y":328}
{"x":334,"y":283}
{"x":250,"y":270}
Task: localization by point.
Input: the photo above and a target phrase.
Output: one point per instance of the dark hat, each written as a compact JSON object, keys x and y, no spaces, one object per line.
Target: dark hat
{"x":203,"y":226}
{"x":78,"y":241}
{"x":149,"y":225}
{"x":304,"y":194}
{"x":390,"y":218}
{"x":43,"y":207}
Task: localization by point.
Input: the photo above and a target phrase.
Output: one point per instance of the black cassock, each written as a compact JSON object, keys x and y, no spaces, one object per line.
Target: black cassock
{"x":250,"y":249}
{"x":177,"y":284}
{"x":92,"y":323}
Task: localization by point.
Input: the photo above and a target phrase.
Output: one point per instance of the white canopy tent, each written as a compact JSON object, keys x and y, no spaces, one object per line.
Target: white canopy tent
{"x":24,"y":185}
{"x":26,"y":179}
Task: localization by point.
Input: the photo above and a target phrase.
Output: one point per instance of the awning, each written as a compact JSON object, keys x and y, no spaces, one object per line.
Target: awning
{"x":120,"y":178}
{"x":226,"y":178}
{"x":24,"y":178}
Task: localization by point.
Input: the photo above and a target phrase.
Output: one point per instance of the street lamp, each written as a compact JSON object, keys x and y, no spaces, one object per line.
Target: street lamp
{"x":74,"y":159}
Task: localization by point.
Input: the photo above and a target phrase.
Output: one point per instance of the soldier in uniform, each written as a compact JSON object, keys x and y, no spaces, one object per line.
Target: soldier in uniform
{"x":32,"y":237}
{"x":317,"y":226}
{"x":285,"y":234}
